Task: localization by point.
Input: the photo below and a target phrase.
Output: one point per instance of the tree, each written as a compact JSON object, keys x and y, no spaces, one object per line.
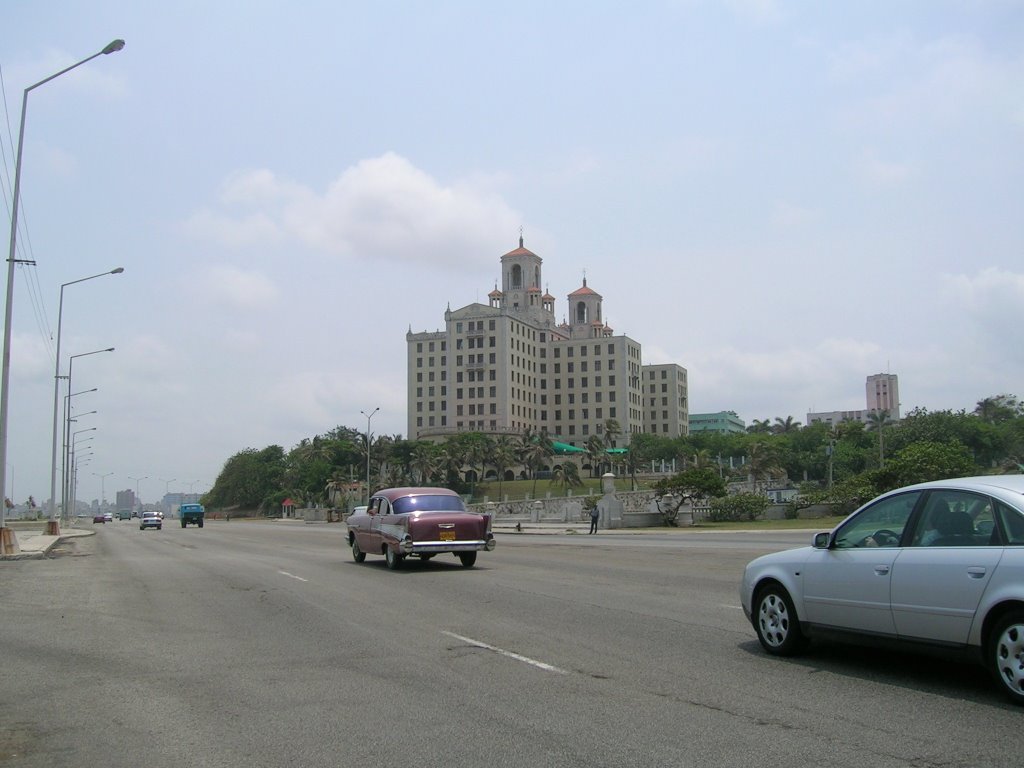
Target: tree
{"x":597,"y":454}
{"x":785,"y":426}
{"x":683,"y":487}
{"x":877,"y":420}
{"x":923,"y":462}
{"x":760,"y":426}
{"x":534,"y":450}
{"x":999,"y":408}
{"x":737,"y":507}
{"x":566,"y":475}
{"x":762,"y":463}
{"x":503,"y":456}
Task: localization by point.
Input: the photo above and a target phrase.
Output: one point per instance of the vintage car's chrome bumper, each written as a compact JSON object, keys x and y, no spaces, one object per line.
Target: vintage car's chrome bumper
{"x":410,"y":547}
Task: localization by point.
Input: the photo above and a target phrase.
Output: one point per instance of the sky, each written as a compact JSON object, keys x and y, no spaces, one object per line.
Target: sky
{"x":782,"y":197}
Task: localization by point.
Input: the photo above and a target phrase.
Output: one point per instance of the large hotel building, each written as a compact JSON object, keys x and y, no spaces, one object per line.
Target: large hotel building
{"x":509,"y":366}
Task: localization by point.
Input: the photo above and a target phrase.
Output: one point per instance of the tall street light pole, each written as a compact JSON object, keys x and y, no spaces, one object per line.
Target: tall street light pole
{"x":67,"y":418}
{"x":56,"y":387}
{"x":103,"y":490}
{"x":6,"y":539}
{"x":137,"y":500}
{"x":368,"y":417}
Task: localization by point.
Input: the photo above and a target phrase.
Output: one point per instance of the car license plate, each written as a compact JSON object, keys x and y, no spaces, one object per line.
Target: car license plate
{"x":447,"y":535}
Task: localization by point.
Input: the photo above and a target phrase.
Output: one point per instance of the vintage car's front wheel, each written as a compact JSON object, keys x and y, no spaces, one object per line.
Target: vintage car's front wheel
{"x":357,"y":554}
{"x":392,"y":558}
{"x":468,"y":559}
{"x":1006,"y":655}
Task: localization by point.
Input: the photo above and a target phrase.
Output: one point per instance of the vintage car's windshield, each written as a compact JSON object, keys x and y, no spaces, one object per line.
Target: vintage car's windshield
{"x":425,"y":503}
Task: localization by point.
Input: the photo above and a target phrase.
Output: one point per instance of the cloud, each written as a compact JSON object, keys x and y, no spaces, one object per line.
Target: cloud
{"x":382,"y":208}
{"x":239,"y":288}
{"x":880,"y":172}
{"x":989,"y":307}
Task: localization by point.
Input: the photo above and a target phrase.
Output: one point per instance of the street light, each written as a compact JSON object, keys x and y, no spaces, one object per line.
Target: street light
{"x":5,"y":377}
{"x":67,"y":410}
{"x":137,"y":481}
{"x":68,"y":502}
{"x":56,"y":384}
{"x":103,"y":491}
{"x":64,"y":454}
{"x":368,"y":417}
{"x":167,"y":486}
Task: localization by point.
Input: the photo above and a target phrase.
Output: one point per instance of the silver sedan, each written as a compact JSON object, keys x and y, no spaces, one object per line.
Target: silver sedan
{"x":939,"y":564}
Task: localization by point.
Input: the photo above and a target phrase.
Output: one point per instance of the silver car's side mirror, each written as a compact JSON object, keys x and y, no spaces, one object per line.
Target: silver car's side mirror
{"x":821,"y":540}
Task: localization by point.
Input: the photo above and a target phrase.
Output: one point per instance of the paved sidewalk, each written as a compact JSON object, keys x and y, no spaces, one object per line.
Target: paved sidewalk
{"x":34,"y":545}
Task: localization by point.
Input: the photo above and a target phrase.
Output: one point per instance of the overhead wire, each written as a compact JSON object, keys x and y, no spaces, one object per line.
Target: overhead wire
{"x":26,"y":252}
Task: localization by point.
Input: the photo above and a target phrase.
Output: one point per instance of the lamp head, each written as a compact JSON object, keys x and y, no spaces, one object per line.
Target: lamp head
{"x":113,"y":47}
{"x":117,"y":271}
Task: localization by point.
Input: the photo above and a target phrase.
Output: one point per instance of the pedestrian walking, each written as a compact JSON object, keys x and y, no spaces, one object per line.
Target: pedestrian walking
{"x":594,"y":514}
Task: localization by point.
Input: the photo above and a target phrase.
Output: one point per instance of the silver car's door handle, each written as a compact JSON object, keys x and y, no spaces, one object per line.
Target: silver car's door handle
{"x":976,"y":572}
{"x":882,"y":570}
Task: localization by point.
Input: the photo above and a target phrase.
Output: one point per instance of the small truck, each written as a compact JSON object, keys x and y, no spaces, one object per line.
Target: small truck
{"x":191,"y":513}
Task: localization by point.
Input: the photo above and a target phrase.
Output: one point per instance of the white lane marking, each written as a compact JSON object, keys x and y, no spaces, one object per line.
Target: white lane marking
{"x":510,"y":654}
{"x":292,"y":576}
{"x":734,"y":607}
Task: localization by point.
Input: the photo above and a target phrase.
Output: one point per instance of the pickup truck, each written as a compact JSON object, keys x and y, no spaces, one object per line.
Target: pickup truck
{"x":191,"y":513}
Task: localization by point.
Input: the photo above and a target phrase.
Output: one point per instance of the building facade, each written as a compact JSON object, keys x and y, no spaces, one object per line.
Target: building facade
{"x":509,"y":366}
{"x":882,"y":393}
{"x":726,"y":422}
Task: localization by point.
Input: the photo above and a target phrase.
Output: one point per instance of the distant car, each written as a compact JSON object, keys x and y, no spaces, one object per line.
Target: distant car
{"x":124,"y":514}
{"x":99,"y":518}
{"x":938,"y":564}
{"x":418,"y":522}
{"x":108,"y":517}
{"x":150,"y":520}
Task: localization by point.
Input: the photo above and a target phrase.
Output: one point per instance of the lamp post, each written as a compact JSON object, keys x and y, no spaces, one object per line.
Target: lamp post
{"x":64,"y":451}
{"x":69,"y":494}
{"x":56,"y":385}
{"x":67,"y":409}
{"x":5,"y":376}
{"x":103,"y":491}
{"x":167,"y":491}
{"x":368,"y":417}
{"x":137,"y":481}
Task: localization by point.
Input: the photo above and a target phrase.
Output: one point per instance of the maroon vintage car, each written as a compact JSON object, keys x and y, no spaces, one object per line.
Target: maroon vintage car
{"x":421,"y":522}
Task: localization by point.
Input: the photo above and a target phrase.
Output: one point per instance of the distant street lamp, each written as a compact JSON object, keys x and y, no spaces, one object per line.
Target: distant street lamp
{"x":5,"y":376}
{"x":368,"y":417}
{"x":137,"y":481}
{"x":67,"y":411}
{"x":103,"y":491}
{"x":56,"y":385}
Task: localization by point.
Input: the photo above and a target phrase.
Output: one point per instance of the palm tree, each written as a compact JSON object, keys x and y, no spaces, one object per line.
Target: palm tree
{"x":760,"y":426}
{"x":425,"y":463}
{"x":503,"y":456}
{"x":535,"y":448}
{"x":597,"y":454}
{"x":566,"y":475}
{"x":785,"y":426}
{"x":762,"y":464}
{"x":878,"y":420}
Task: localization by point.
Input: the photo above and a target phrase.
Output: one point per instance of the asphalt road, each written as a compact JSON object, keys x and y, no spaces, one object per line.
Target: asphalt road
{"x":264,"y":644}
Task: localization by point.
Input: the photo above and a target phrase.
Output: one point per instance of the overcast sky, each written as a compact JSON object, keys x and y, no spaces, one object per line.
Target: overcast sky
{"x":782,"y":197}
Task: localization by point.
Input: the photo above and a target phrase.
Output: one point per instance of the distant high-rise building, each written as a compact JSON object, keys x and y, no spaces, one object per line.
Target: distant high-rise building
{"x":509,"y":366}
{"x":882,"y":394}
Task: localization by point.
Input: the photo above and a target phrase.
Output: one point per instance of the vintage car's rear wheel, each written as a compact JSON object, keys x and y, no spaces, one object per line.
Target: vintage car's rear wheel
{"x":392,"y":558}
{"x":468,"y":559}
{"x":357,"y":554}
{"x":1006,"y":655}
{"x":776,"y":622}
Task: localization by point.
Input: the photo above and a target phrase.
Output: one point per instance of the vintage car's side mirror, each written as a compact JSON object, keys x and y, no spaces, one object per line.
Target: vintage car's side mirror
{"x":821,"y":540}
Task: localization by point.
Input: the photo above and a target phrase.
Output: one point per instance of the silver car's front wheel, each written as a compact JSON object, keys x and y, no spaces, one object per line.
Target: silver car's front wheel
{"x":776,"y":622}
{"x":1007,"y":655}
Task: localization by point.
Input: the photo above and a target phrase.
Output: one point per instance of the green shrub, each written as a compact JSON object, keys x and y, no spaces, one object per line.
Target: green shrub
{"x":739,"y":507}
